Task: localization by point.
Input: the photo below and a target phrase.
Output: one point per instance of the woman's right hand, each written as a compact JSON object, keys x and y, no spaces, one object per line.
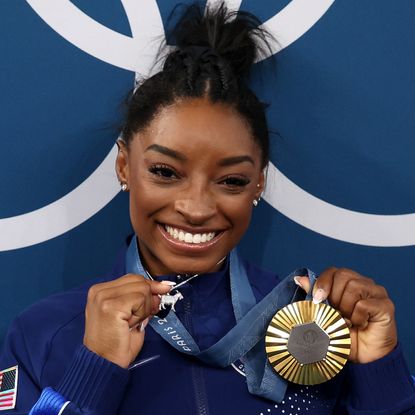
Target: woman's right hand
{"x":116,"y":314}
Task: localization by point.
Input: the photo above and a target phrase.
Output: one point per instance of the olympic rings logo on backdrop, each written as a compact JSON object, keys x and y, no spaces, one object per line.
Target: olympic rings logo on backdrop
{"x":123,"y":51}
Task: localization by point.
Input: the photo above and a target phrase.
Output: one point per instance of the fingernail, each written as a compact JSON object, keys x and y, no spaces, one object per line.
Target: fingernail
{"x":297,"y":281}
{"x":170,"y":283}
{"x":319,"y":296}
{"x":143,"y":324}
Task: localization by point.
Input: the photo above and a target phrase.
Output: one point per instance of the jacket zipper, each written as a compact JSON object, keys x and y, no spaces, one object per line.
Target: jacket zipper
{"x":198,"y":382}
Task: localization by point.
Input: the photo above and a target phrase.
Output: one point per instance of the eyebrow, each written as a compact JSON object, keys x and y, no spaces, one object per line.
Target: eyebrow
{"x":228,"y":161}
{"x":167,"y":152}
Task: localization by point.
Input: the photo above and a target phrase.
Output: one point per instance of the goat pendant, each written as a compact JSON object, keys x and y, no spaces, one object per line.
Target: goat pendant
{"x":167,"y":300}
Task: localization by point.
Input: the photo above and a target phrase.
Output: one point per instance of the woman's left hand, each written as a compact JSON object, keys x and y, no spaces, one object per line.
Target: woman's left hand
{"x":363,"y":304}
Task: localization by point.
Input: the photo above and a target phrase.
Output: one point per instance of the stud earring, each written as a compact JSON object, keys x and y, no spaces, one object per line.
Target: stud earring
{"x":255,"y":202}
{"x":124,"y":187}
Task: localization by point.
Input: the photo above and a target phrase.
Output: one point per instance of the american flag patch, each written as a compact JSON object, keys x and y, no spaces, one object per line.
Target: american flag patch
{"x":8,"y":388}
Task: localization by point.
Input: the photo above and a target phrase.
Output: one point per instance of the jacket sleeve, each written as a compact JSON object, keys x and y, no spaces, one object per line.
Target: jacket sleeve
{"x":383,"y":387}
{"x":17,"y":352}
{"x":91,"y":385}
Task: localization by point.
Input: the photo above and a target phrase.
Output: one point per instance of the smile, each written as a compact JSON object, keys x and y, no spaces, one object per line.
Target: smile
{"x":187,"y":237}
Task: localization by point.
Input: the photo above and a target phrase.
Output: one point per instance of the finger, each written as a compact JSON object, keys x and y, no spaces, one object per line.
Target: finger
{"x":140,"y":326}
{"x":155,"y":308}
{"x":128,"y":283}
{"x":119,"y":281}
{"x":109,"y":301}
{"x":137,"y":340}
{"x":349,"y":324}
{"x":332,"y":283}
{"x":357,"y":290}
{"x":120,"y":290}
{"x":323,"y":285}
{"x":303,"y":282}
{"x":141,"y":309}
{"x":162,"y":287}
{"x":341,"y":280}
{"x":148,"y":289}
{"x":132,"y":307}
{"x":151,"y":289}
{"x":128,"y":278}
{"x":372,"y":310}
{"x":142,"y":286}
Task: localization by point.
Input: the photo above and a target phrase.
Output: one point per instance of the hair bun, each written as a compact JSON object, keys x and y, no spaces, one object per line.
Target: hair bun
{"x":234,"y":37}
{"x":214,"y":53}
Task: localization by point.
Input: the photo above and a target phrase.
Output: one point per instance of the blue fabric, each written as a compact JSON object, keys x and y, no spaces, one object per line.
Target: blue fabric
{"x":46,"y":343}
{"x":373,"y":376}
{"x":242,"y":339}
{"x":49,"y":403}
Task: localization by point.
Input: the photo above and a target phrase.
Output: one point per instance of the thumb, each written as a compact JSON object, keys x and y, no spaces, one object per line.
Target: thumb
{"x":162,"y":287}
{"x":303,"y":282}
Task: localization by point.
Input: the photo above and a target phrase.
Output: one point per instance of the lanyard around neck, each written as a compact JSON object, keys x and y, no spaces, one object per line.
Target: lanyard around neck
{"x":245,"y":340}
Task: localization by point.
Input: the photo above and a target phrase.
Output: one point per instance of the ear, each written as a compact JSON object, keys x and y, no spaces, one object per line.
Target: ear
{"x":121,"y":163}
{"x":260,"y":184}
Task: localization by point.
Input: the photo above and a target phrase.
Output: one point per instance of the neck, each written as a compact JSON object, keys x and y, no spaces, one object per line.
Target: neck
{"x":156,"y":267}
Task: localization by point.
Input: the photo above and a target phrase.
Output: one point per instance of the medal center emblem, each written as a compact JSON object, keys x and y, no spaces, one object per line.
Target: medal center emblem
{"x":308,"y":343}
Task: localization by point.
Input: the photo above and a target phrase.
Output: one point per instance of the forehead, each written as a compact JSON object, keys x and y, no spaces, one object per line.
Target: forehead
{"x":199,"y":127}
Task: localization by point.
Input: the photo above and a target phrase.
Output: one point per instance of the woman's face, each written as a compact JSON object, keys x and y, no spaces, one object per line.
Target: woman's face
{"x":192,"y":175}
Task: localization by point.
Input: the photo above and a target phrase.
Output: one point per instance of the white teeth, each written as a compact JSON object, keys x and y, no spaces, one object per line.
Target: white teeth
{"x":188,"y":237}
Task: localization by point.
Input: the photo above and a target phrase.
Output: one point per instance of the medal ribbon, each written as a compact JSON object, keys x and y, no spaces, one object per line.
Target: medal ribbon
{"x":246,"y":340}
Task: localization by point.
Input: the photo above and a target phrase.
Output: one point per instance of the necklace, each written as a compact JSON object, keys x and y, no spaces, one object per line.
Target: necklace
{"x":169,"y":300}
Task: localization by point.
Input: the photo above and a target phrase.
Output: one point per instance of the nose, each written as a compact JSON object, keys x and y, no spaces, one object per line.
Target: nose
{"x":196,"y":205}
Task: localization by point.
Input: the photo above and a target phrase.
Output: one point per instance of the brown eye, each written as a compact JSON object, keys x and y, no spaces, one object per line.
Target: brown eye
{"x":163,"y":171}
{"x":236,"y":182}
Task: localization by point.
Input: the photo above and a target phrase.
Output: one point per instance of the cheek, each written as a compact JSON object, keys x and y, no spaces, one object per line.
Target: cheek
{"x":240,"y":214}
{"x":143,"y":202}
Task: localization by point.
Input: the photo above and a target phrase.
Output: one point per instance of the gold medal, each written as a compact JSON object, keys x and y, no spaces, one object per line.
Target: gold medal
{"x":307,"y":343}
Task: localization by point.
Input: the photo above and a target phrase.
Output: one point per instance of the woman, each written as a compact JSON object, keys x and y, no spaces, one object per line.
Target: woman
{"x":192,"y":156}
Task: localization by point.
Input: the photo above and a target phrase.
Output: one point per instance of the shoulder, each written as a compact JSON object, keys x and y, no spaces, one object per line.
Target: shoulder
{"x":43,"y":336}
{"x":54,"y":312}
{"x":49,"y":315}
{"x":57,"y":318}
{"x":31,"y":334}
{"x":33,"y":330}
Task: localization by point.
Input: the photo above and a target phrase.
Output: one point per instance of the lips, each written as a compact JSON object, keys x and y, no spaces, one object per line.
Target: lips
{"x":183,"y":240}
{"x":188,"y":237}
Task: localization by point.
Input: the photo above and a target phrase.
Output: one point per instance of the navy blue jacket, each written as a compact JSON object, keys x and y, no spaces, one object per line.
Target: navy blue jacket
{"x":46,"y":342}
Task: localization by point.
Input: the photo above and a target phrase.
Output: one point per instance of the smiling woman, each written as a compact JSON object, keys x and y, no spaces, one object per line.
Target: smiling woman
{"x":164,"y":330}
{"x":191,"y":207}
